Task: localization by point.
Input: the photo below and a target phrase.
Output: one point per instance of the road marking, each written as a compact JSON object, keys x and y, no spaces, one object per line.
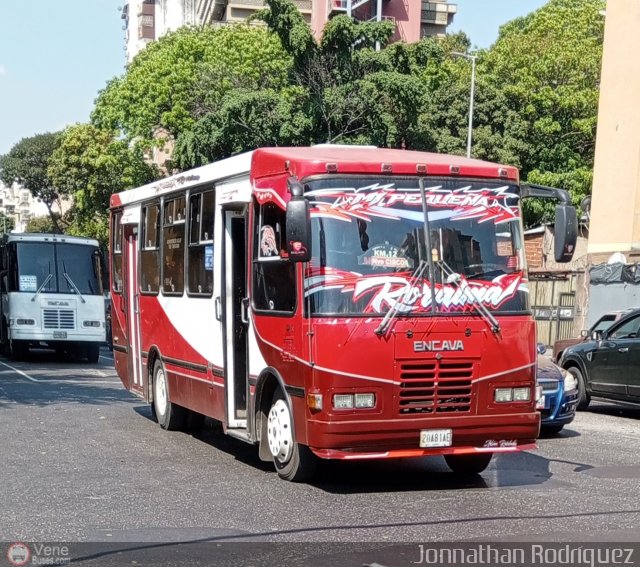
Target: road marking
{"x":20,"y":372}
{"x":107,"y":357}
{"x":61,"y":381}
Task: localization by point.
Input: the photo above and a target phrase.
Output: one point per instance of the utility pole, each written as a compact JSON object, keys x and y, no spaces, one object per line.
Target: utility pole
{"x":472,"y":58}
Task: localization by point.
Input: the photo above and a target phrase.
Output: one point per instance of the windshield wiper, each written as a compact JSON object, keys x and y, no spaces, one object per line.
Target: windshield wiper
{"x":393,"y":310}
{"x":74,"y":286}
{"x":455,"y":278}
{"x":44,"y":283}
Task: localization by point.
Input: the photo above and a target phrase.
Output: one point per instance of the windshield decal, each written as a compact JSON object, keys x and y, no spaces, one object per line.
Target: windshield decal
{"x":386,"y":201}
{"x":383,"y":292}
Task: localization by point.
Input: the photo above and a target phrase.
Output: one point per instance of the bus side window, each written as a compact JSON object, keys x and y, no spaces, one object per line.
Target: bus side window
{"x":173,"y":247}
{"x":200,"y":254}
{"x":274,"y":282}
{"x":116,"y":247}
{"x":150,"y":249}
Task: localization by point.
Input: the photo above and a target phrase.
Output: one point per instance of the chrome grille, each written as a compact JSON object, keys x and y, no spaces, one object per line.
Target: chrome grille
{"x":59,"y":319}
{"x":435,"y":386}
{"x":549,"y":386}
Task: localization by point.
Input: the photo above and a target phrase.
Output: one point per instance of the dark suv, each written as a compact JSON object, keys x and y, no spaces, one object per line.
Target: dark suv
{"x":601,"y":324}
{"x":607,"y":364}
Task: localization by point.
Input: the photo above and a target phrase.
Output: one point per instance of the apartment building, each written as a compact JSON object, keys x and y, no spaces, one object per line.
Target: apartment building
{"x":147,"y":20}
{"x":18,"y":204}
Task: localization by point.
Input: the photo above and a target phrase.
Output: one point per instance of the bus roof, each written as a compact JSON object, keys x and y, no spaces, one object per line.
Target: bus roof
{"x":321,"y":159}
{"x":47,"y":237}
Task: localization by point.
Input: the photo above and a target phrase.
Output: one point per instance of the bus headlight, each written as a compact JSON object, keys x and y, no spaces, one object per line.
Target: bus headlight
{"x":503,"y":395}
{"x":358,"y":401}
{"x":91,"y":324}
{"x":25,"y":322}
{"x":521,"y":394}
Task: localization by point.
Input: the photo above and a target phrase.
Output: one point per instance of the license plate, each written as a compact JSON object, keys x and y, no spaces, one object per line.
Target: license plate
{"x":540,"y":404}
{"x":435,"y":438}
{"x":59,"y":334}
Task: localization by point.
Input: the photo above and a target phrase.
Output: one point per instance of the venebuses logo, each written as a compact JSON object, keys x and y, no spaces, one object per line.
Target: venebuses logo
{"x":18,"y":554}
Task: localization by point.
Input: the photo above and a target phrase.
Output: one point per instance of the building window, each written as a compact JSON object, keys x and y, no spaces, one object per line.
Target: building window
{"x":200,"y":255}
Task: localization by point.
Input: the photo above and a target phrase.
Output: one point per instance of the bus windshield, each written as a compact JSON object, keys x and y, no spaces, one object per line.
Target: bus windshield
{"x":369,"y":249}
{"x":57,"y":268}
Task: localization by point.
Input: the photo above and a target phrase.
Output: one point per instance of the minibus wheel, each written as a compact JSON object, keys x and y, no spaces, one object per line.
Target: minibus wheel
{"x":292,"y":461}
{"x":468,"y":464}
{"x":169,"y":415}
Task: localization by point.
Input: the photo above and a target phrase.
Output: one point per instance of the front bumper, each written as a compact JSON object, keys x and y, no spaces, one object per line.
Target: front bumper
{"x":380,"y":438}
{"x":36,"y":336}
{"x":560,"y":407}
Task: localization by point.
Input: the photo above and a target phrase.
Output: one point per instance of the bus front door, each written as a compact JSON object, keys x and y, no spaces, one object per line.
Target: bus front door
{"x":235,"y":318}
{"x":132,"y":306}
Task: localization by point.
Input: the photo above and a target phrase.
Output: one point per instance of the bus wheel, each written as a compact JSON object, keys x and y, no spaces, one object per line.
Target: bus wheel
{"x":169,"y":416}
{"x":293,"y":461}
{"x":93,"y":353}
{"x":468,"y":464}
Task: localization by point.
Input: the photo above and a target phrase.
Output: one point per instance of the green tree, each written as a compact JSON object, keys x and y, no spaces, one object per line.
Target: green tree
{"x":41,"y":224}
{"x":548,"y":74}
{"x":27,"y":163}
{"x":7,"y":223}
{"x":90,"y":164}
{"x":183,"y":75}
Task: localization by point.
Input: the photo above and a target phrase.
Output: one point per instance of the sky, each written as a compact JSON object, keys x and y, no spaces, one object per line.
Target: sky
{"x":55,"y":55}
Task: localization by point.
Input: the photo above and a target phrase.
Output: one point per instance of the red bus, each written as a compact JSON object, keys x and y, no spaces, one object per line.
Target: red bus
{"x":334,"y":302}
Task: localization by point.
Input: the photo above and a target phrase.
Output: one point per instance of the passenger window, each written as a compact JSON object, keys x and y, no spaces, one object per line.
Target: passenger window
{"x":116,"y":247}
{"x":173,"y":246}
{"x":628,"y":329}
{"x":150,"y":250}
{"x":200,"y":255}
{"x":274,"y":284}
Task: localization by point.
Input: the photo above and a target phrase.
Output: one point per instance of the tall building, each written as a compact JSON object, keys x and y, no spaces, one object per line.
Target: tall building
{"x":146,"y":20}
{"x":17,"y":203}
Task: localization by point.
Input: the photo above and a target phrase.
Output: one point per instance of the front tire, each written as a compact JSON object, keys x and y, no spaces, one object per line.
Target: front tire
{"x":468,"y":464}
{"x":17,"y":350}
{"x":583,"y":396}
{"x":169,"y":415}
{"x":292,"y":461}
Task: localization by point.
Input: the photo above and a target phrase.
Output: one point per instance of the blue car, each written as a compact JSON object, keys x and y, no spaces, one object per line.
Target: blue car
{"x":559,"y":399}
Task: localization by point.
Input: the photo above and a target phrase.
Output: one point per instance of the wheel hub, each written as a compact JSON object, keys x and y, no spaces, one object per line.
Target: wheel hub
{"x":160,"y":392}
{"x":279,"y":433}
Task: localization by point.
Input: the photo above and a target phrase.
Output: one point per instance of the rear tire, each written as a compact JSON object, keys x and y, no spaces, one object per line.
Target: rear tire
{"x":468,"y":464}
{"x":93,"y":353}
{"x":293,"y":462}
{"x":169,"y":415}
{"x":583,"y":396}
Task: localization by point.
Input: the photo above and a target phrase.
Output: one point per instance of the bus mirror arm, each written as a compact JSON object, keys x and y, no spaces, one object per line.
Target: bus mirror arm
{"x":298,"y":223}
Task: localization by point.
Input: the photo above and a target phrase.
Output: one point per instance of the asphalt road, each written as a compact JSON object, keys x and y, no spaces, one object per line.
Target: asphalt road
{"x":83,"y":461}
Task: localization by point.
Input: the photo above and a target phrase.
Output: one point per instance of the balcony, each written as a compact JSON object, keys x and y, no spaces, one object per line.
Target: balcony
{"x":338,"y":6}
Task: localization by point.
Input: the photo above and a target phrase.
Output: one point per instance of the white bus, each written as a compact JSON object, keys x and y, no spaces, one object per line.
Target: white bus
{"x":51,"y":295}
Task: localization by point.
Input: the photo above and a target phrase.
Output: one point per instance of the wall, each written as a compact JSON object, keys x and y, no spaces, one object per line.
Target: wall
{"x":616,"y":183}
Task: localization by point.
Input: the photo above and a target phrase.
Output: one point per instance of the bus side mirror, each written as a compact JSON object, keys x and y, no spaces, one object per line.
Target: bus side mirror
{"x":298,"y":235}
{"x":566,"y":232}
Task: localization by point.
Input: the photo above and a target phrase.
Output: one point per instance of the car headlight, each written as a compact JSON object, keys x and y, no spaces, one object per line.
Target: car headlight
{"x":570,"y":381}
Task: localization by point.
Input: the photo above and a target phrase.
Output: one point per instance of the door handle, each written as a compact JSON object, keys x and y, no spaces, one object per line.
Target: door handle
{"x":623,"y":349}
{"x":217,"y":307}
{"x":244,"y":311}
